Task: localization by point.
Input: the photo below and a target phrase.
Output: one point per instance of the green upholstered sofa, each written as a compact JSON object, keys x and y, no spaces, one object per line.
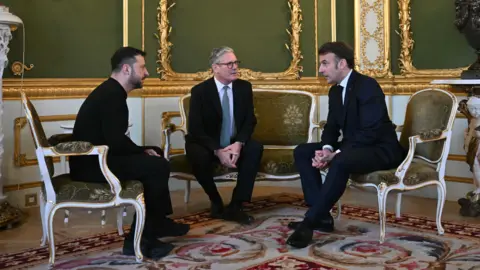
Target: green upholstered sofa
{"x":285,"y":118}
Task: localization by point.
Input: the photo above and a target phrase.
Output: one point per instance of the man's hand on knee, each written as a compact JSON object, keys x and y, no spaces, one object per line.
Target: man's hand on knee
{"x":225,"y":158}
{"x":151,"y":152}
{"x":322,"y":158}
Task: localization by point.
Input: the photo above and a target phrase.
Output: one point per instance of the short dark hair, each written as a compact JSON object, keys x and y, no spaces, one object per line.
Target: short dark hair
{"x":124,"y":55}
{"x":341,"y":51}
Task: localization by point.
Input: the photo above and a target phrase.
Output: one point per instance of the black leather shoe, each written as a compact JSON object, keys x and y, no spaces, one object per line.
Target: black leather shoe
{"x":168,"y":227}
{"x":216,"y":210}
{"x":151,"y":248}
{"x":301,"y":237}
{"x":238,"y":215}
{"x":324,"y":225}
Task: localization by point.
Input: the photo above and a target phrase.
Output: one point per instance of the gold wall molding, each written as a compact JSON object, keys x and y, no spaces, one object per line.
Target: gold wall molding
{"x":367,"y":36}
{"x":166,"y":72}
{"x":20,"y":159}
{"x":459,"y":179}
{"x":333,"y":12}
{"x":407,"y":43}
{"x":454,"y":157}
{"x":154,"y":87}
{"x":125,"y":22}
{"x":22,"y":186}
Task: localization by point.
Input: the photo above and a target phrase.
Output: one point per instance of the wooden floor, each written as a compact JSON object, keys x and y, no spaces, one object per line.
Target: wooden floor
{"x":81,"y":223}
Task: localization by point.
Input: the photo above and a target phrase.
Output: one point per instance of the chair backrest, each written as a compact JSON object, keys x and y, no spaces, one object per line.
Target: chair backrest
{"x":284,"y":117}
{"x":429,"y":110}
{"x":36,"y":128}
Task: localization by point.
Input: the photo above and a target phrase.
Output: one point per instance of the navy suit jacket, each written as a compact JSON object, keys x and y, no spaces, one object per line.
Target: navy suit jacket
{"x":363,"y":118}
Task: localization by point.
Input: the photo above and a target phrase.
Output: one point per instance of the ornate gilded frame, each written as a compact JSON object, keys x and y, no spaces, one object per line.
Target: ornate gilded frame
{"x":406,"y":63}
{"x":380,"y":66}
{"x":166,"y":72}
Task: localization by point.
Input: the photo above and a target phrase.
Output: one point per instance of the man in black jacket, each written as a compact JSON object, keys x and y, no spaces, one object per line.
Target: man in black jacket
{"x":103,"y":120}
{"x":221,"y":121}
{"x":357,"y":109}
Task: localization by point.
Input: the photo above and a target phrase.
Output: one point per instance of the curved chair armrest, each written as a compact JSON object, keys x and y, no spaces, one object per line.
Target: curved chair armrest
{"x":423,"y":137}
{"x":80,"y":148}
{"x":170,"y":128}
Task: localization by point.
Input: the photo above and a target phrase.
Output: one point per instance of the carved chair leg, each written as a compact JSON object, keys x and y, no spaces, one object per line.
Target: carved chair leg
{"x":67,"y":215}
{"x":104,"y":218}
{"x":45,"y":209}
{"x":120,"y":221}
{"x":188,"y":186}
{"x":398,"y":206}
{"x":140,"y":222}
{"x":51,"y":236}
{"x":382,"y":211}
{"x":442,"y":193}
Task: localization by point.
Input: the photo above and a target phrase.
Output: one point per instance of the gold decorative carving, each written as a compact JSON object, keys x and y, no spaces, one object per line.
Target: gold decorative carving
{"x":18,"y":68}
{"x":407,"y":43}
{"x":166,"y":72}
{"x":380,"y":67}
{"x":20,"y":159}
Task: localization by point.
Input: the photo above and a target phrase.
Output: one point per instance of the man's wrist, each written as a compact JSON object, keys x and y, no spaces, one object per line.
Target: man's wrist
{"x":241,"y":143}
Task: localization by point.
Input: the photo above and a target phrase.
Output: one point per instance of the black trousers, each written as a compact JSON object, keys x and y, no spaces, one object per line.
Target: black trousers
{"x":154,"y":173}
{"x":321,"y":197}
{"x":203,"y":160}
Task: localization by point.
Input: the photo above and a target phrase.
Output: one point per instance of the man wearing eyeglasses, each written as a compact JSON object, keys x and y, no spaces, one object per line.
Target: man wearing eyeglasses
{"x":220,"y":123}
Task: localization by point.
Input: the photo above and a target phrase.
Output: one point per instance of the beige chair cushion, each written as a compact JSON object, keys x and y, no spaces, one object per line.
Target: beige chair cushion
{"x":418,"y":172}
{"x":68,"y":190}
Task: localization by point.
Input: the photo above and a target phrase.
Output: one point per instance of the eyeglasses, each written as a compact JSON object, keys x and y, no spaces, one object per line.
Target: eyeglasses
{"x":230,"y":64}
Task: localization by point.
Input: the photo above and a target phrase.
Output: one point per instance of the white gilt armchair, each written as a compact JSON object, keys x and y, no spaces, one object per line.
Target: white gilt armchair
{"x":426,"y":133}
{"x":60,"y":191}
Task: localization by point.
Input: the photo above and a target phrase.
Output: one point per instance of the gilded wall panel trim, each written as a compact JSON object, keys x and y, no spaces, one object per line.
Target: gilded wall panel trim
{"x":407,"y":43}
{"x":166,"y":72}
{"x":333,"y":12}
{"x":20,"y":159}
{"x":125,"y":22}
{"x":372,"y":37}
{"x":154,"y":87}
{"x":315,"y":6}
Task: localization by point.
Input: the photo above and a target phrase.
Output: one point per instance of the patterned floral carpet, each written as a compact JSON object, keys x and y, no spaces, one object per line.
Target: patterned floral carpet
{"x":411,"y":243}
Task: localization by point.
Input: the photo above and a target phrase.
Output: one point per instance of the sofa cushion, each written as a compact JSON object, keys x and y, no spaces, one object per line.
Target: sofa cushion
{"x":283,"y":118}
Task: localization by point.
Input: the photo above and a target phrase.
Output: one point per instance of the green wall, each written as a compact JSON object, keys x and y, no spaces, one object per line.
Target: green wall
{"x":66,"y":38}
{"x":75,"y":39}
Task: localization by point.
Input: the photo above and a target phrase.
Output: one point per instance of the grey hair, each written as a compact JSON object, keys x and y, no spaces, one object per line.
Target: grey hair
{"x":217,"y":53}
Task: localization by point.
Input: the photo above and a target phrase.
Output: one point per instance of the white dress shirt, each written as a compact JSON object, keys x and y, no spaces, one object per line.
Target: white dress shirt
{"x":343,"y":83}
{"x":230,"y":99}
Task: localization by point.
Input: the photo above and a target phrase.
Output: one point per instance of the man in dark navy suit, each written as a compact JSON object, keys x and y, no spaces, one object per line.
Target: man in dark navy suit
{"x":357,"y":109}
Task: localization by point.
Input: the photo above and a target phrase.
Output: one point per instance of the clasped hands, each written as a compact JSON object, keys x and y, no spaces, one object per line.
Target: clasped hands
{"x":229,"y":155}
{"x":322,"y":158}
